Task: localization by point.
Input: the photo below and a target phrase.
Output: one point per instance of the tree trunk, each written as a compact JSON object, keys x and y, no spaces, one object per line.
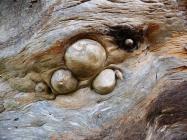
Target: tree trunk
{"x":93,"y":70}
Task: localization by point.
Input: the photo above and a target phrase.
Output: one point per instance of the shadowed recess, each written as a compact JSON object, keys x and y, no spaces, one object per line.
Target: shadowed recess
{"x":122,"y":33}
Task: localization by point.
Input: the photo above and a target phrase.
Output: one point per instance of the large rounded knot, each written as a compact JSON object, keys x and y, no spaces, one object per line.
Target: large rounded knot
{"x":85,"y":58}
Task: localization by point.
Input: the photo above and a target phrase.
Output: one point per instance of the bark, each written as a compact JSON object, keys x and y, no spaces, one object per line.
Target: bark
{"x":149,"y":103}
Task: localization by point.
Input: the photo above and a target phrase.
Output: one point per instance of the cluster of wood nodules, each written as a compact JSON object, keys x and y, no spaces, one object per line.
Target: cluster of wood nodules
{"x":85,"y":61}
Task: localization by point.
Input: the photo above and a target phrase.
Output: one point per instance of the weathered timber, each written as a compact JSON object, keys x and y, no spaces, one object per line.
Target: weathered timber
{"x":144,"y":42}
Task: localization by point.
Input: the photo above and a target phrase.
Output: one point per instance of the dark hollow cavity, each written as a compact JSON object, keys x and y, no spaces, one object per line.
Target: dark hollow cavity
{"x":122,"y":33}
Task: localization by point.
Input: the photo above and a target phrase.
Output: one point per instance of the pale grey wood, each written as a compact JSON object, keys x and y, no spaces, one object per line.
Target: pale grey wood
{"x":33,"y":38}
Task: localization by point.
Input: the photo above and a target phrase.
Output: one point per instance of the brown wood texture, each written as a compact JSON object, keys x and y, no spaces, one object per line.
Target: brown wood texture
{"x":149,"y":100}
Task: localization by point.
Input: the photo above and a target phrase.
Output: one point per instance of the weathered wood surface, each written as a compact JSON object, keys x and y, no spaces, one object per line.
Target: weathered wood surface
{"x":150,"y":103}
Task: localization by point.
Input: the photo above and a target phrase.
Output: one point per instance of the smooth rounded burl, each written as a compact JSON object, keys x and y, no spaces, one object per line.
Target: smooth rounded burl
{"x":63,"y":82}
{"x":129,"y":42}
{"x":104,"y":82}
{"x":85,"y":58}
{"x":41,"y":87}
